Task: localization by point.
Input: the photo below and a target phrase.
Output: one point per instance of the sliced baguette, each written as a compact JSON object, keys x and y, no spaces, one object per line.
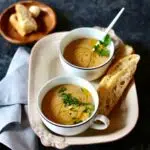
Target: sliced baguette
{"x":26,"y":22}
{"x":115,"y":82}
{"x":14,"y":23}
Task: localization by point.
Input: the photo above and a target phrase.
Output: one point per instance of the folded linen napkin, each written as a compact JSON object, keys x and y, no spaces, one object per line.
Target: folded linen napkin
{"x":15,"y":131}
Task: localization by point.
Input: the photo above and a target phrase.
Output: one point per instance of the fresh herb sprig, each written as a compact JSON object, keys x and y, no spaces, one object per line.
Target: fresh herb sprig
{"x":106,"y":41}
{"x":101,"y":47}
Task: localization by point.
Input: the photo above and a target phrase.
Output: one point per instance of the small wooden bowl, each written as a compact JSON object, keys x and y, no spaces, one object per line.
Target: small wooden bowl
{"x":46,"y":22}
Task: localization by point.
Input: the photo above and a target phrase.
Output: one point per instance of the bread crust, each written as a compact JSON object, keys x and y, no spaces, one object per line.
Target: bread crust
{"x":14,"y":23}
{"x":114,"y":83}
{"x":22,"y":20}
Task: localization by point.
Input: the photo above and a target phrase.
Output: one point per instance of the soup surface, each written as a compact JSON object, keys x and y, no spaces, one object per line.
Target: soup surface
{"x":79,"y":53}
{"x":67,"y":104}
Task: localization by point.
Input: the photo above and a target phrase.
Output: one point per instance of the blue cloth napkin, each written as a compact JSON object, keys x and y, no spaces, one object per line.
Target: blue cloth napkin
{"x":15,"y":131}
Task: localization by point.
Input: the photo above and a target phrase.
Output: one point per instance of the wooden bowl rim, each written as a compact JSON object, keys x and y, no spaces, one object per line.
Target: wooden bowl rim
{"x":34,"y":40}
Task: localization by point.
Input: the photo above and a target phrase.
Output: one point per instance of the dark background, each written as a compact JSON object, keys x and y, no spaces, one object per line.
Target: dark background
{"x":133,"y":27}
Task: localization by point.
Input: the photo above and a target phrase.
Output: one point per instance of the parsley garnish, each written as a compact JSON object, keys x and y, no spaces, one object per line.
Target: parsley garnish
{"x":101,"y":47}
{"x":89,"y":109}
{"x":107,"y":40}
{"x":77,"y":121}
{"x":102,"y":52}
{"x":63,"y":89}
{"x":68,"y":99}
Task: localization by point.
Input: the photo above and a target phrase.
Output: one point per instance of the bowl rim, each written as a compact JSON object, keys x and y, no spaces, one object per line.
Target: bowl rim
{"x":84,"y":68}
{"x":61,"y":125}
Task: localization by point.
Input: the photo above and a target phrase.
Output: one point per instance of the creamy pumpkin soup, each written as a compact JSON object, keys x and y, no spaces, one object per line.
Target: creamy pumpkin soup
{"x":80,"y":52}
{"x":68,"y":104}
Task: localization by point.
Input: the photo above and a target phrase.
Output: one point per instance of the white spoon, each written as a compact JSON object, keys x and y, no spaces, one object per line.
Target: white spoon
{"x":111,"y":24}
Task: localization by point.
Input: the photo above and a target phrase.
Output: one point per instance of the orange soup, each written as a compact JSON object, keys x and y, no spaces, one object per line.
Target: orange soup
{"x":68,"y":104}
{"x":80,"y":53}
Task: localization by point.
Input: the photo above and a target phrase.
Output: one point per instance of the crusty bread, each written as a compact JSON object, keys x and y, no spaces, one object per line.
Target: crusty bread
{"x":22,"y":21}
{"x":114,"y":83}
{"x":14,"y":23}
{"x":26,"y":22}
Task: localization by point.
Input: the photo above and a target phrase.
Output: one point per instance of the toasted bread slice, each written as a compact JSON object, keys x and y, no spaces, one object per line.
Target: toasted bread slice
{"x":112,"y":85}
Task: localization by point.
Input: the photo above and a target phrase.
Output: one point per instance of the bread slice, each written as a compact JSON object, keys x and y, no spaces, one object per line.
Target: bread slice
{"x":112,"y":86}
{"x":14,"y":23}
{"x":25,"y":20}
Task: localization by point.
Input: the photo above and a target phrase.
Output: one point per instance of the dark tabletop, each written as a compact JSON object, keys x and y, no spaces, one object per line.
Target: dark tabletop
{"x":133,"y":27}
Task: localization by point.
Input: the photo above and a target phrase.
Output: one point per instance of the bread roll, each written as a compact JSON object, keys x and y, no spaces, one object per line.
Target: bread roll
{"x":112,"y":85}
{"x":35,"y":11}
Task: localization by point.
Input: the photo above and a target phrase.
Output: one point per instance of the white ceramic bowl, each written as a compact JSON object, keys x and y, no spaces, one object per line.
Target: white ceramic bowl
{"x":91,"y":73}
{"x":69,"y":130}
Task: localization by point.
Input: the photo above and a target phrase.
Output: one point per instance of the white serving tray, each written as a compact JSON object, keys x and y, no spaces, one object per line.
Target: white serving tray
{"x":44,"y":65}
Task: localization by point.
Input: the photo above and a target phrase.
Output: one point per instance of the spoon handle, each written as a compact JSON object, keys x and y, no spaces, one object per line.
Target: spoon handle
{"x":111,"y":25}
{"x":113,"y":21}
